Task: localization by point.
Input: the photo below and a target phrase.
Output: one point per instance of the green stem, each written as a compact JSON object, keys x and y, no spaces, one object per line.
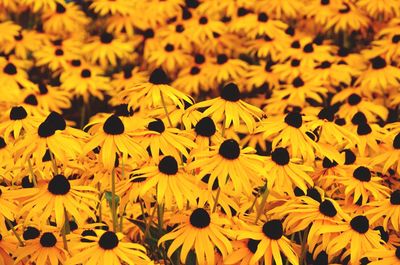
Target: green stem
{"x":253,"y":204}
{"x":21,"y":243}
{"x":304,"y":245}
{"x":65,"y":231}
{"x":83,"y":116}
{"x":165,"y":108}
{"x":113,"y":206}
{"x":121,"y":219}
{"x":53,"y":161}
{"x":100,"y":199}
{"x":216,"y":200}
{"x":263,"y":201}
{"x":32,"y":173}
{"x":150,"y":220}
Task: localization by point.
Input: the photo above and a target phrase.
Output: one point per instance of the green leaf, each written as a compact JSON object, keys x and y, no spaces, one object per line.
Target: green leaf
{"x":108,"y":195}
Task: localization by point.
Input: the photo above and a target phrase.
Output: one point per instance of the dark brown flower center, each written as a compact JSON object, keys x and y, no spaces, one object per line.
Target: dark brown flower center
{"x":229,"y":149}
{"x":48,"y":240}
{"x":360,"y":224}
{"x":200,"y":218}
{"x":273,"y":229}
{"x":59,"y":185}
{"x":168,"y":165}
{"x":114,"y":125}
{"x":108,"y":240}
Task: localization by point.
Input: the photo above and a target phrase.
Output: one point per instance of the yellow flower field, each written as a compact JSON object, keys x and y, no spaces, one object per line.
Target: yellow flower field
{"x":199,"y":132}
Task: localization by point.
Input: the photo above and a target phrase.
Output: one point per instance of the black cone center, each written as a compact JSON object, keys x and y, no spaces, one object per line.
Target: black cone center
{"x":48,"y":240}
{"x":395,"y":197}
{"x":280,"y":156}
{"x":354,"y":99}
{"x":252,"y":245}
{"x":200,"y":218}
{"x":18,"y":113}
{"x":59,"y":185}
{"x":362,"y":174}
{"x":114,"y":125}
{"x":230,"y":92}
{"x":273,"y":229}
{"x":106,"y":38}
{"x":31,"y":233}
{"x":205,"y":127}
{"x":108,"y":240}
{"x":159,"y":77}
{"x":168,"y":165}
{"x":156,"y":126}
{"x":360,"y":224}
{"x":229,"y":149}
{"x":327,"y":208}
{"x":378,"y":62}
{"x":294,"y":119}
{"x":10,"y":69}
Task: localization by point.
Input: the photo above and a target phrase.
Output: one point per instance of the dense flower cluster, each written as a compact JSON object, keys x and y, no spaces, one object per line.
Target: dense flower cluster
{"x":199,"y":132}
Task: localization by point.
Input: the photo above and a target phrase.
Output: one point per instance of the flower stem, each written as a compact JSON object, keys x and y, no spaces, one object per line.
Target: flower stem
{"x":100,"y":198}
{"x":113,"y":206}
{"x":53,"y":161}
{"x":65,"y":230}
{"x":21,"y":243}
{"x":150,"y":220}
{"x":83,"y":116}
{"x":263,"y":202}
{"x":165,"y":108}
{"x":216,"y":200}
{"x":32,"y":173}
{"x":304,"y":245}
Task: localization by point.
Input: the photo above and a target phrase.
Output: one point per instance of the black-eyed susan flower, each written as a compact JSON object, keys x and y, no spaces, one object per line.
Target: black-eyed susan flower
{"x":355,"y":233}
{"x":173,"y":183}
{"x":58,"y":197}
{"x":169,"y":58}
{"x":363,"y":185}
{"x":9,"y":30}
{"x":353,"y":102}
{"x":385,"y":9}
{"x":55,"y":56}
{"x":44,"y":249}
{"x":229,"y":162}
{"x":105,"y":7}
{"x":85,"y":83}
{"x":202,"y":232}
{"x":281,"y":169}
{"x":389,"y":157}
{"x":52,"y":98}
{"x":229,"y":109}
{"x":312,"y":210}
{"x":154,"y":92}
{"x":26,"y":42}
{"x":225,"y":69}
{"x":160,"y":138}
{"x":17,"y":123}
{"x":12,"y":78}
{"x":64,"y":19}
{"x":100,"y":247}
{"x":106,"y":49}
{"x":53,"y":133}
{"x":348,"y":17}
{"x":380,"y":76}
{"x":387,"y":209}
{"x":271,"y":243}
{"x":113,"y":140}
